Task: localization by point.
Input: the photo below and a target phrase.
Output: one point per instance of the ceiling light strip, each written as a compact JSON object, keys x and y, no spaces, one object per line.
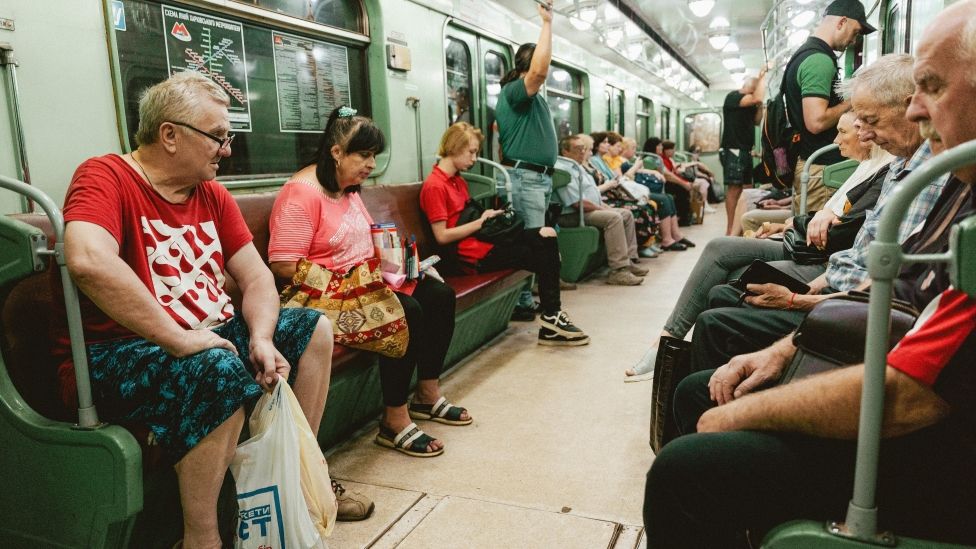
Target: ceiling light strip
{"x":630,"y":12}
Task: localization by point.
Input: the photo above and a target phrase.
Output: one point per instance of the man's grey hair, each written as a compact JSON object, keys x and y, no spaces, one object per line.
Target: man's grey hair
{"x":888,"y":80}
{"x":176,"y":99}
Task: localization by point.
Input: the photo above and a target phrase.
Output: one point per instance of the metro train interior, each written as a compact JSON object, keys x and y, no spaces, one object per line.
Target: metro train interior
{"x":558,"y":454}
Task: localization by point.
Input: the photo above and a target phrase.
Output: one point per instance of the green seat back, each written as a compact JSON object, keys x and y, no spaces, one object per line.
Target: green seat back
{"x":560,"y":178}
{"x":64,"y":487}
{"x":963,"y":266}
{"x":807,"y":534}
{"x":652,"y":162}
{"x":480,"y":187}
{"x":836,"y":175}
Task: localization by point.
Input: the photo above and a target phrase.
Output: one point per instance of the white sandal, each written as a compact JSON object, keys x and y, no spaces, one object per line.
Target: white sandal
{"x":644,"y":369}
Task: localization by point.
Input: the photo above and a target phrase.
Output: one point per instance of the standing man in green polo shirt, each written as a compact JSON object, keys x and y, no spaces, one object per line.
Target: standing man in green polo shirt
{"x":528,"y":137}
{"x":525,"y":129}
{"x":812,"y":103}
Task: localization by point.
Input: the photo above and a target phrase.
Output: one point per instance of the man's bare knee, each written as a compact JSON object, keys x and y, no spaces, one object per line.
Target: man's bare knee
{"x":547,"y":232}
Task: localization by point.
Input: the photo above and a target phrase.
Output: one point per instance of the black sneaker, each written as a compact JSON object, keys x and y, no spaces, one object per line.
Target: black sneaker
{"x":523,"y":314}
{"x":549,"y":337}
{"x":560,"y":324}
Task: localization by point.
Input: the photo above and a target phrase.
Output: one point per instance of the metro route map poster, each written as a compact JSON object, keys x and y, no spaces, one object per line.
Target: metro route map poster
{"x":213,"y":47}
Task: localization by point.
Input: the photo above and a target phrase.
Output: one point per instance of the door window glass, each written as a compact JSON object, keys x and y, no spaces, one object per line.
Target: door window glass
{"x":458,"y":78}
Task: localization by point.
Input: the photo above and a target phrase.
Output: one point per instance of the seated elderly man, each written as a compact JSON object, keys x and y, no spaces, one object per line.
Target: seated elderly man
{"x":617,"y":224}
{"x":879,"y":96}
{"x":149,"y":237}
{"x":784,"y":453}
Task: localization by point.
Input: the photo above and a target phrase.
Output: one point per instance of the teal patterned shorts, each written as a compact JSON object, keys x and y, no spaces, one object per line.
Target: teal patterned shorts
{"x":182,"y":400}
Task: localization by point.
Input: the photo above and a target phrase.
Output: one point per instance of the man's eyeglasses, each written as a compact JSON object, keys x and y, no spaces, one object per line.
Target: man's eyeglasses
{"x":223,"y":142}
{"x":580,"y":148}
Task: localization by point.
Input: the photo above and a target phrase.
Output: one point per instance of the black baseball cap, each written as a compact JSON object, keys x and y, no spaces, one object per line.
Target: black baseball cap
{"x":851,"y":9}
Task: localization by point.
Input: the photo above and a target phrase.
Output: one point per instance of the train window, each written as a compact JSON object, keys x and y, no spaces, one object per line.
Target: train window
{"x":615,"y":109}
{"x":496,"y":65}
{"x":282,"y":85}
{"x":343,"y":14}
{"x":458,"y":77}
{"x":564,"y":93}
{"x":645,"y":114}
{"x":893,"y":34}
{"x":703,"y":131}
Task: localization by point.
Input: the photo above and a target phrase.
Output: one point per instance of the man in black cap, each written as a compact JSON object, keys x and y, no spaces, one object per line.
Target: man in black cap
{"x":812,"y":104}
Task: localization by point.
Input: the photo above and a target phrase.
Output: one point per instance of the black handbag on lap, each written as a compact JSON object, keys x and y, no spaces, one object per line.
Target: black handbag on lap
{"x":500,"y":229}
{"x":839,"y":237}
{"x":832,"y":335}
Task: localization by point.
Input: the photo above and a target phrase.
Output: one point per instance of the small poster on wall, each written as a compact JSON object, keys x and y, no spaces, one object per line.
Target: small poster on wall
{"x":214,"y":47}
{"x":312,"y":79}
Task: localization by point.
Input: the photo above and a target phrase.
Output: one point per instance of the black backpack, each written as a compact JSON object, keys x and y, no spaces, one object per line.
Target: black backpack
{"x":779,"y":145}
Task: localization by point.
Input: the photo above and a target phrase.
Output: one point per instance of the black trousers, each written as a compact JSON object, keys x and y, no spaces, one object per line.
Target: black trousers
{"x":727,"y":329}
{"x":430,"y":319}
{"x":706,"y":490}
{"x":682,"y":201}
{"x":535,"y":253}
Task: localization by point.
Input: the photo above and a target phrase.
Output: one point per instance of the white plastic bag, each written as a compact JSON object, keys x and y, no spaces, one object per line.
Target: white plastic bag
{"x":268,"y":470}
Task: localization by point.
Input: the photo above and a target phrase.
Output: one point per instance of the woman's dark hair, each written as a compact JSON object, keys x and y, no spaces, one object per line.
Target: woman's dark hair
{"x":353,"y":134}
{"x":650,"y":146}
{"x":523,"y":60}
{"x":667,"y":145}
{"x":598,"y":137}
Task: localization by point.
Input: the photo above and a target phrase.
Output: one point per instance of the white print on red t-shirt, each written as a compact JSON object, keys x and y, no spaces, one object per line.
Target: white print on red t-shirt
{"x":185,"y":264}
{"x":349,"y":250}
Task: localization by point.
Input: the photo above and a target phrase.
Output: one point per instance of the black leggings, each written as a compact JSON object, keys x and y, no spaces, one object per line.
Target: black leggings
{"x":430,"y":319}
{"x":536,"y":253}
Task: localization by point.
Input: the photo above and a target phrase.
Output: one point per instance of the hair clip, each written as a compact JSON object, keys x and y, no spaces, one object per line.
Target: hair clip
{"x":346,"y":112}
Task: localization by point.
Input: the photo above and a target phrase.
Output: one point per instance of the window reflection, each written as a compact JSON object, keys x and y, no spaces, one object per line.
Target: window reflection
{"x":495,"y":69}
{"x":344,"y":14}
{"x":703,"y":132}
{"x":458,"y":63}
{"x":565,"y":115}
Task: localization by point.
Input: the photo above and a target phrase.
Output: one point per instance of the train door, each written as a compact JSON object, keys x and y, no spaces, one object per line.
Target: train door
{"x":474,"y":67}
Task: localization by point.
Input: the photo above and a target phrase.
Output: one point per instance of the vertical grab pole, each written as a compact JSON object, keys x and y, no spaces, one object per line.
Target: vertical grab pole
{"x":414,"y":103}
{"x":8,"y":61}
{"x":884,"y":260}
{"x":805,"y":176}
{"x":87,"y":415}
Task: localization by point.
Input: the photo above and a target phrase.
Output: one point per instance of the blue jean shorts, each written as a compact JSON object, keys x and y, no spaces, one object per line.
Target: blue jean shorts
{"x":531,"y":192}
{"x":182,"y":400}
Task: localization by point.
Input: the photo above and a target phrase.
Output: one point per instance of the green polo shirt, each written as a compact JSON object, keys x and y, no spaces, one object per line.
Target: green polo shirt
{"x":525,"y":125}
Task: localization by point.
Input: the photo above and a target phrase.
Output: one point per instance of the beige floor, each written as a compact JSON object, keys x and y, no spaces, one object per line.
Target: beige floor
{"x":558,"y":451}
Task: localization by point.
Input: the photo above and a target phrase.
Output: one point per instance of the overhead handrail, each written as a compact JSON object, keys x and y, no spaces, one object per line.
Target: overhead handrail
{"x":885,"y":258}
{"x":805,"y":176}
{"x":87,"y":415}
